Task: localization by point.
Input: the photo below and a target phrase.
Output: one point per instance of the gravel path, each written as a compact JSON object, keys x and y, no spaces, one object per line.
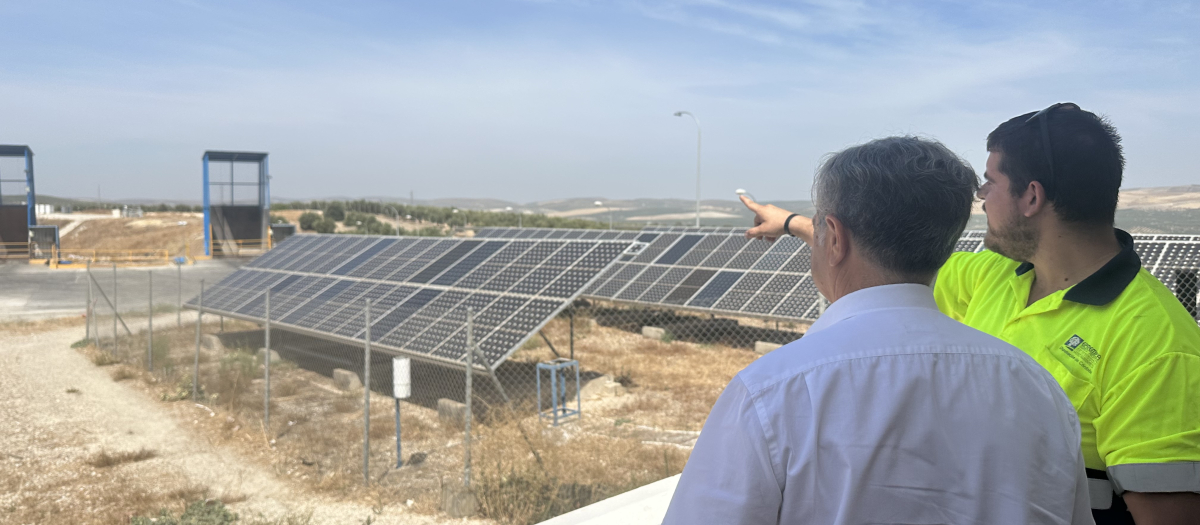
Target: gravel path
{"x":57,"y":410}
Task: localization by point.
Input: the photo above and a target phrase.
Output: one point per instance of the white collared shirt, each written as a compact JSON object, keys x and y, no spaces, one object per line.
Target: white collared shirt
{"x":887,"y":411}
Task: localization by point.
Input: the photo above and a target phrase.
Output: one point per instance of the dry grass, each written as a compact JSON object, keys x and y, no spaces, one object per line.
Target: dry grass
{"x":36,"y":326}
{"x":525,"y":471}
{"x":673,"y":385}
{"x":527,"y":474}
{"x":106,"y":459}
{"x":123,"y":372}
{"x":155,"y":231}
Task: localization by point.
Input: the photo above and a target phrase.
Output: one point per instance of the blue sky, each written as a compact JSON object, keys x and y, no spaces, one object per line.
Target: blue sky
{"x":535,"y":100}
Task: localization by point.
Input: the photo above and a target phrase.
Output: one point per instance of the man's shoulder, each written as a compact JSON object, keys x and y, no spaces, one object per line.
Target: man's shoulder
{"x":977,"y":263}
{"x":880,"y":336}
{"x":1148,"y":309}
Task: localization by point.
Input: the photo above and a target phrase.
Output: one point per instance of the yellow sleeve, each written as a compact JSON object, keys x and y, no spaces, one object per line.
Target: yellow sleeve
{"x":955,"y":284}
{"x":1152,"y":415}
{"x":1148,"y":428}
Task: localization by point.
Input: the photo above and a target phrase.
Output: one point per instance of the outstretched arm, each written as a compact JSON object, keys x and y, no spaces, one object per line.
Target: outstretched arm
{"x":769,"y":219}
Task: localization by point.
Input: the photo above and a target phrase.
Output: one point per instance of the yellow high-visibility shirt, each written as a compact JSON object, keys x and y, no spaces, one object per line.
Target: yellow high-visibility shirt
{"x":1122,"y":347}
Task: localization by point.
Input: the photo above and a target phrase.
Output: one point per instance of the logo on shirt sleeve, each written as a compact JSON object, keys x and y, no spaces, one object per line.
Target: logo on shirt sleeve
{"x":1082,"y":353}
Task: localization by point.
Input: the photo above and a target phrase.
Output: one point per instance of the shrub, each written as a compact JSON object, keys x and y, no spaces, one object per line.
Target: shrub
{"x":105,"y":459}
{"x":206,"y":512}
{"x":308,"y":220}
{"x":327,"y":225}
{"x":335,"y":210}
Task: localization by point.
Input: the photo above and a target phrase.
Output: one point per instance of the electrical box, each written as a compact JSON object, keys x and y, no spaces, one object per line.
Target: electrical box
{"x":401,"y":377}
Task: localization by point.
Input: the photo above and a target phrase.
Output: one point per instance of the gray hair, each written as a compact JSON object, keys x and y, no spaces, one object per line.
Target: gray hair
{"x":906,"y":201}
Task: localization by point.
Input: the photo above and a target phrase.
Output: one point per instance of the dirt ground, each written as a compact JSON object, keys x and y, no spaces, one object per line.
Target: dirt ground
{"x":72,"y":435}
{"x":72,"y":411}
{"x":177,"y":233}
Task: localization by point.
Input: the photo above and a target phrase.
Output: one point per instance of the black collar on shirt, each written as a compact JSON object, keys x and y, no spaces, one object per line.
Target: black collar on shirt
{"x":1109,"y":281}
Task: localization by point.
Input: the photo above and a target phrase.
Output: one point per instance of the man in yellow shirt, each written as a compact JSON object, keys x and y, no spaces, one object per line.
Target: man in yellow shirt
{"x":1061,"y":283}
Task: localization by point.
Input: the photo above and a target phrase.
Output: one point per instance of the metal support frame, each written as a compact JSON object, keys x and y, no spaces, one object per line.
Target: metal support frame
{"x":267,"y":362}
{"x":558,"y":391}
{"x":367,"y":395}
{"x":150,"y":324}
{"x":263,"y":185}
{"x":30,"y":192}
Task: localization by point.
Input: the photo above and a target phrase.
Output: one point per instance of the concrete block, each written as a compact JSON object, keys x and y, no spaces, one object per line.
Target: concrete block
{"x":762,"y":347}
{"x":458,"y":501}
{"x":212,"y":342}
{"x":346,"y":380}
{"x":654,"y":332}
{"x":452,"y":412}
{"x":262,"y":352}
{"x":603,"y":386}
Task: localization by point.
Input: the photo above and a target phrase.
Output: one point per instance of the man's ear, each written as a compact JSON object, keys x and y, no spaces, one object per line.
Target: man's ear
{"x":837,"y":241}
{"x":1033,"y":201}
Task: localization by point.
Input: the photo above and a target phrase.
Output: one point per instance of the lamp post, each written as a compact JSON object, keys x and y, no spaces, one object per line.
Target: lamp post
{"x":697,"y":121}
{"x":455,"y":212}
{"x":610,"y":218}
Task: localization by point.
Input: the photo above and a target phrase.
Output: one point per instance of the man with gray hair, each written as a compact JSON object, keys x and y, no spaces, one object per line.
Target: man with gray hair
{"x":888,"y":411}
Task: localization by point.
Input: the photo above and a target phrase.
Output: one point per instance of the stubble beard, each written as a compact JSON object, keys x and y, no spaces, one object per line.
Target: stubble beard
{"x":1017,"y":239}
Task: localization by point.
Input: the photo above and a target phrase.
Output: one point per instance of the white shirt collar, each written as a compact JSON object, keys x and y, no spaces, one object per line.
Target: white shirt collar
{"x":875,"y":298}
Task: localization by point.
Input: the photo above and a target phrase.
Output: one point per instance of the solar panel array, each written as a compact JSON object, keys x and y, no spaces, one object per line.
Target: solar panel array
{"x":419,"y":288}
{"x":716,"y":270}
{"x":554,"y":233}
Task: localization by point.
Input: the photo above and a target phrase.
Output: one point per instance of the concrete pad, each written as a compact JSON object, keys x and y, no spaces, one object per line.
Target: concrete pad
{"x":346,"y":380}
{"x":762,"y":347}
{"x":262,"y":352}
{"x":452,"y":412}
{"x":654,"y":332}
{"x":603,"y":386}
{"x":458,"y":501}
{"x":212,"y":342}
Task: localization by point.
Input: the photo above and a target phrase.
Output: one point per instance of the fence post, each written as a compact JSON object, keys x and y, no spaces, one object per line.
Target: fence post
{"x":179,"y":307}
{"x":367,"y":395}
{"x":114,"y":305}
{"x":196,"y":363}
{"x":150,"y":324}
{"x":267,"y":363}
{"x":88,"y":306}
{"x":470,"y":367}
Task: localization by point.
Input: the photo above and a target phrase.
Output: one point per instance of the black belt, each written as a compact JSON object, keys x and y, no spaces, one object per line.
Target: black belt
{"x":1112,"y":509}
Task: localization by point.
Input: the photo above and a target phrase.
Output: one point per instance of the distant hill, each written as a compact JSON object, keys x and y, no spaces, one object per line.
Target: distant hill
{"x":1173,"y":209}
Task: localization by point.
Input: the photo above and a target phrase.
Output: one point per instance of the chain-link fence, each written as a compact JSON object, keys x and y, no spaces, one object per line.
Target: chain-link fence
{"x":604,"y":398}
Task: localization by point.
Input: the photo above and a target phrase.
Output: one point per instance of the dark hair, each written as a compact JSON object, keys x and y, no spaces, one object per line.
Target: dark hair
{"x":905,"y":199}
{"x":1088,"y":162}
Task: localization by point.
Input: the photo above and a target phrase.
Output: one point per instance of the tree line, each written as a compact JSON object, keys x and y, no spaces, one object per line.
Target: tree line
{"x":337,"y":211}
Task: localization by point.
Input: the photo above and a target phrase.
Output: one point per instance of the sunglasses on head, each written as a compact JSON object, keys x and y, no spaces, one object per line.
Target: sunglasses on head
{"x":1044,"y":116}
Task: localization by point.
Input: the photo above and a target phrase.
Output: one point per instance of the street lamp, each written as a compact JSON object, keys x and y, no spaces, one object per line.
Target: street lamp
{"x":601,"y":204}
{"x":697,"y":121}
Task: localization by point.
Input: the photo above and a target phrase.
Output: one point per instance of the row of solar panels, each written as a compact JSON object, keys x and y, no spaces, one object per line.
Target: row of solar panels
{"x":722,"y":272}
{"x":419,"y":288}
{"x":519,"y":278}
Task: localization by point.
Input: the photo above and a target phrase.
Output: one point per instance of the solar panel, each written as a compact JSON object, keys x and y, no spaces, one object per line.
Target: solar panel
{"x":420,"y":288}
{"x":503,"y":232}
{"x":718,"y":270}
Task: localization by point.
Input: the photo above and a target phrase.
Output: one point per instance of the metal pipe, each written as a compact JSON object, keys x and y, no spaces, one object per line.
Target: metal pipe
{"x":114,"y":305}
{"x":267,"y":363}
{"x":470,"y":368}
{"x":698,"y":136}
{"x":367,"y":395}
{"x":399,"y":457}
{"x":179,"y":309}
{"x":196,"y":363}
{"x":150,"y":324}
{"x":88,"y":305}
